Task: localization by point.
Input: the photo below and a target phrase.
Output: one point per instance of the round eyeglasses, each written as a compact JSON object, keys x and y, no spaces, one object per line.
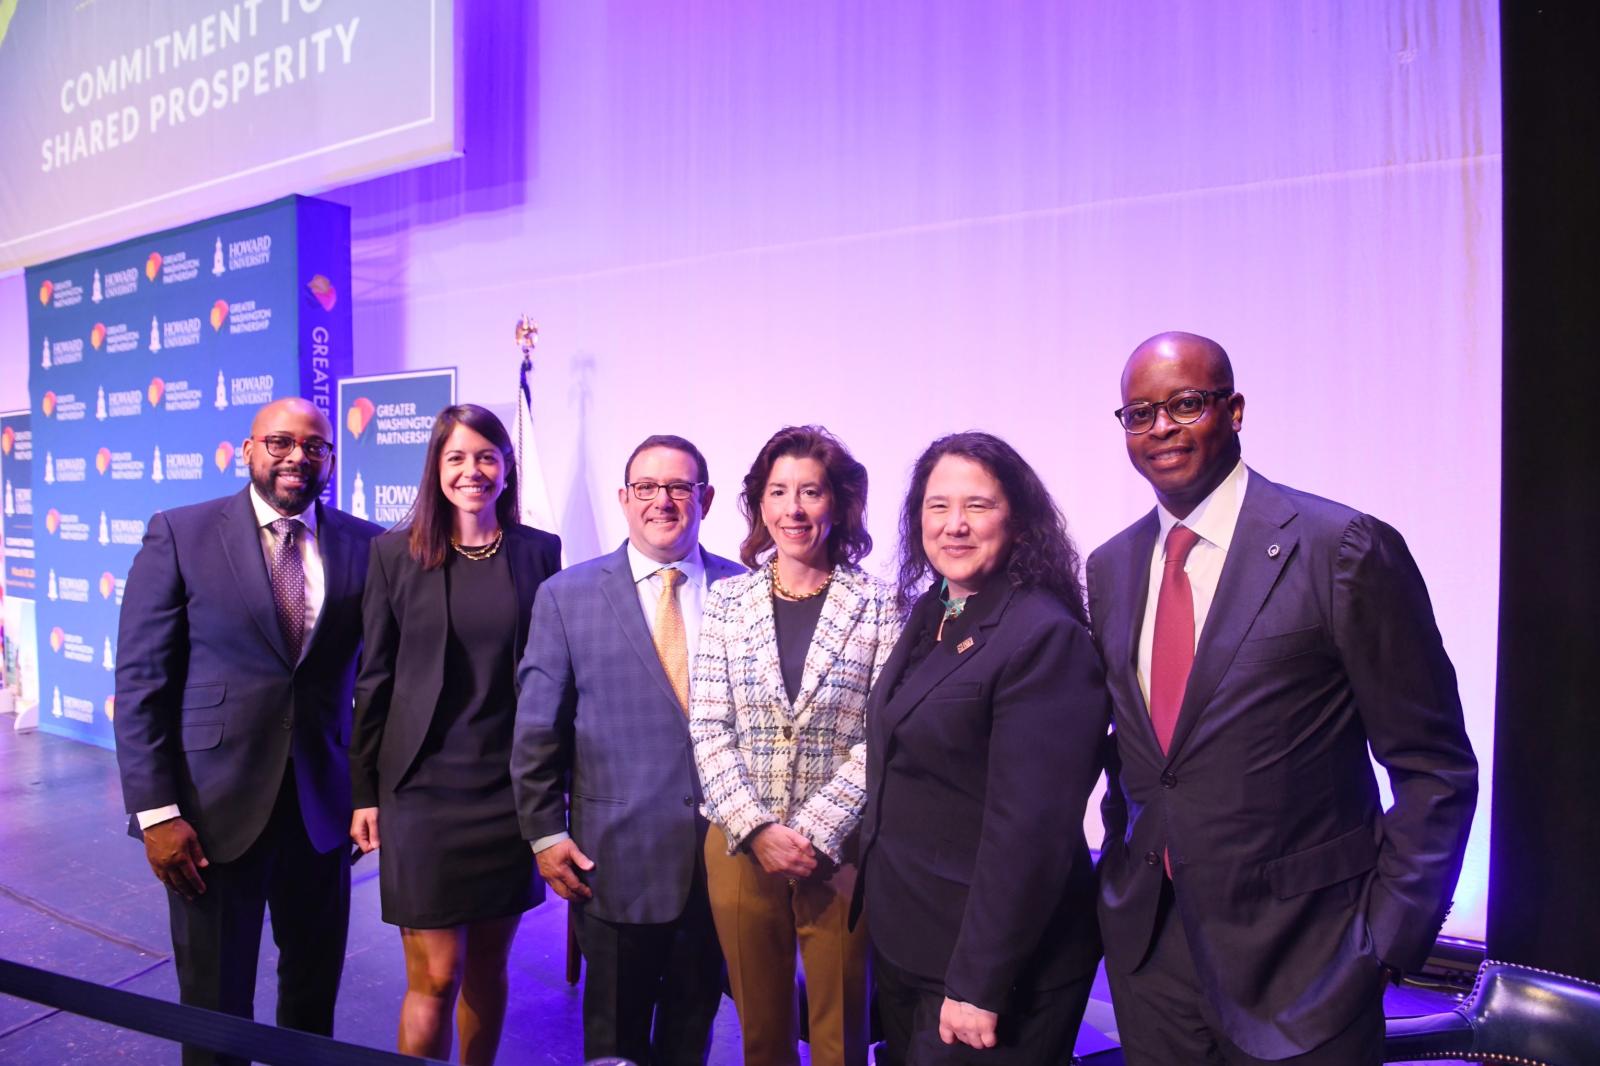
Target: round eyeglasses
{"x":281,"y":446}
{"x":1182,"y":407}
{"x":645,"y":491}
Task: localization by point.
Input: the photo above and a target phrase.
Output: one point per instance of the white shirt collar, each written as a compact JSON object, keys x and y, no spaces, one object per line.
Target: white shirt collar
{"x":642,"y":566}
{"x":1216,"y":516}
{"x":266,"y":515}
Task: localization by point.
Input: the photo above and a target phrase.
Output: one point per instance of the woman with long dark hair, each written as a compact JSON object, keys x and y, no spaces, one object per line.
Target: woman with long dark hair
{"x":984,"y":740}
{"x":445,"y":618}
{"x":787,"y":655}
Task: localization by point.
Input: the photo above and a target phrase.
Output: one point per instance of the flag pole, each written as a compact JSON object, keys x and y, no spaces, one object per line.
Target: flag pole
{"x":527,"y":341}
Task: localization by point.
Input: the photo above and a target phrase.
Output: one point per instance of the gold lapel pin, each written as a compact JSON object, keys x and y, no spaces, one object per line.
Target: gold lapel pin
{"x":965,"y":645}
{"x":1272,"y":552}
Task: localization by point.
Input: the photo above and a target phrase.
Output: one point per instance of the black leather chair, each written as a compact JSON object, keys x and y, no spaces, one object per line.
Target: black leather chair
{"x":1513,"y":1014}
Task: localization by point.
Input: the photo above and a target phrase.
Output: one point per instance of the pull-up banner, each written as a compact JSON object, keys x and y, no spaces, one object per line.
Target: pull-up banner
{"x":147,"y":362}
{"x":18,"y":578}
{"x":384,"y":437}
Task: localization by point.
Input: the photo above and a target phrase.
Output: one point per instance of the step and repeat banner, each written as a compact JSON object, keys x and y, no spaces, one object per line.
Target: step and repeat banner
{"x":148,"y":361}
{"x":20,"y":669}
{"x":384,"y":437}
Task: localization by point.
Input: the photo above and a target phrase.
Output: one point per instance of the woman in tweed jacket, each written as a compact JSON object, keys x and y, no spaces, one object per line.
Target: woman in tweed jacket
{"x":787,"y":654}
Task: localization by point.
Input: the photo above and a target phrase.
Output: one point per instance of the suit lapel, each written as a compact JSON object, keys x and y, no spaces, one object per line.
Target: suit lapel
{"x":761,"y":638}
{"x":878,"y":700}
{"x":1126,"y":626}
{"x":523,"y":558}
{"x":841,"y":612}
{"x":941,"y":662}
{"x":717,"y":568}
{"x":1248,"y":575}
{"x":241,"y":543}
{"x":333,"y":544}
{"x":623,"y":596}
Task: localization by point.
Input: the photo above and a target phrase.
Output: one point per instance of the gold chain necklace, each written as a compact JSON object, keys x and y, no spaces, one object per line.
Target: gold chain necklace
{"x":480,"y":551}
{"x":783,"y":593}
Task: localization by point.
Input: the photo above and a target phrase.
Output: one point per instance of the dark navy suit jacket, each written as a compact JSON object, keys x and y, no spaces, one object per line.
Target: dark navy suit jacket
{"x":1292,"y":883}
{"x":980,"y":762}
{"x":210,"y":705}
{"x":602,"y":747}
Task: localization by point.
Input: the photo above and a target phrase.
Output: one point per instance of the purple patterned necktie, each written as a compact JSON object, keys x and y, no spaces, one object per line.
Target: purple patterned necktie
{"x":288,"y":584}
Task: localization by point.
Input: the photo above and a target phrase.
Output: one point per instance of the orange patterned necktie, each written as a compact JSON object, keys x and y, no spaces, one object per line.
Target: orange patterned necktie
{"x":672,"y":645}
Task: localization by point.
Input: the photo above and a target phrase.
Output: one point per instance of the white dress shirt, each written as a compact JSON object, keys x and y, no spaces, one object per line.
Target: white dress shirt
{"x":316,"y":590}
{"x":691,"y":601}
{"x":691,"y":593}
{"x":1213,"y":521}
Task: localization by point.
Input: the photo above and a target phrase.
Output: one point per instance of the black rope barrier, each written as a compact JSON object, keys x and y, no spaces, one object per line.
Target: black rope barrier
{"x":222,"y":1033}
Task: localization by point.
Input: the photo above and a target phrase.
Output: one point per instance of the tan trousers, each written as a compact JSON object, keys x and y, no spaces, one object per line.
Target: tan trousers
{"x":760,"y":917}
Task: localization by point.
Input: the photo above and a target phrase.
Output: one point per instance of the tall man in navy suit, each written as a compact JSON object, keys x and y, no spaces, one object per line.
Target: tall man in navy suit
{"x":1257,"y":641}
{"x":241,"y":622}
{"x":604,"y":769}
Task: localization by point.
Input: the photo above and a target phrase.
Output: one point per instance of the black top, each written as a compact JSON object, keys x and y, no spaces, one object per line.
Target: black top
{"x":794,"y":622}
{"x":405,"y":631}
{"x":471,"y":729}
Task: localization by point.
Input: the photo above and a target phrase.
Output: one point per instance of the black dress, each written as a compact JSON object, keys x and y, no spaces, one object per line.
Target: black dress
{"x":452,"y":850}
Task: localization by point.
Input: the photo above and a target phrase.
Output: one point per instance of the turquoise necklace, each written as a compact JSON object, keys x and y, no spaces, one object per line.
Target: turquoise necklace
{"x":952,"y":606}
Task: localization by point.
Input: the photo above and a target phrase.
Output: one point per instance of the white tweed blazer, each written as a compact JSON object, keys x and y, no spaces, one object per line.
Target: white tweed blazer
{"x":763,"y":759}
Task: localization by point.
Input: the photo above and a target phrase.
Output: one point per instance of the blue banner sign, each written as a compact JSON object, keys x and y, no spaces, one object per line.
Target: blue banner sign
{"x":147,"y":361}
{"x":383,"y":436}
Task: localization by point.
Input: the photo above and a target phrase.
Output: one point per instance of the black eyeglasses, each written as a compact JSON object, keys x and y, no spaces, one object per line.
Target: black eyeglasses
{"x":1182,"y":407}
{"x":281,"y":446}
{"x":645,"y":491}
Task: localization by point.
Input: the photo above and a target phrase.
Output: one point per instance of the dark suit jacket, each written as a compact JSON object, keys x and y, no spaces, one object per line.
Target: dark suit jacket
{"x":597,"y":720}
{"x":979,"y":768}
{"x":209,"y":705}
{"x":405,"y":625}
{"x":1291,"y":882}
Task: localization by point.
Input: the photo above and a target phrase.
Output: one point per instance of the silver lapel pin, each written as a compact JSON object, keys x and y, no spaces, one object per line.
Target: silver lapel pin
{"x":1272,"y":552}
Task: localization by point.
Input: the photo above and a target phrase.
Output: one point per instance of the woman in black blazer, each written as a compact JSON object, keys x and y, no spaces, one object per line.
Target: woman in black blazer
{"x":984,"y":739}
{"x":445,"y":618}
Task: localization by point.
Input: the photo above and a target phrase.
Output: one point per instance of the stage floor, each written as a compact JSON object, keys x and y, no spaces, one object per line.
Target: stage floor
{"x":77,"y":897}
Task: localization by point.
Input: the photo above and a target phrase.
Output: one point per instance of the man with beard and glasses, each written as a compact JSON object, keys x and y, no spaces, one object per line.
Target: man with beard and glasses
{"x":240,"y":628}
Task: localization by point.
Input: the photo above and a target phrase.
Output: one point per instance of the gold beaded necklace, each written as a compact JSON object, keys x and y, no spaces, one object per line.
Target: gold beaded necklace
{"x":479,"y":552}
{"x":783,"y":593}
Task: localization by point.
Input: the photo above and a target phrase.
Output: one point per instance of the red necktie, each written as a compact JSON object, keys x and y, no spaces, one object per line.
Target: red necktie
{"x":1172,"y":652}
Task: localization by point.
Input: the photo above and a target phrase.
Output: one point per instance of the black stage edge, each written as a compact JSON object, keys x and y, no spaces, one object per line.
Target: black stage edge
{"x":1545,"y":827}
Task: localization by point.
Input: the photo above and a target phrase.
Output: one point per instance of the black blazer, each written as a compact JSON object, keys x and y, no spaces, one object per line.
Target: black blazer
{"x":975,"y":871}
{"x":405,"y":624}
{"x":210,"y":705}
{"x":1292,"y":882}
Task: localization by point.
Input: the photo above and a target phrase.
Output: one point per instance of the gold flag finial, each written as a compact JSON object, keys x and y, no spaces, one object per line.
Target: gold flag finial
{"x":527,"y":339}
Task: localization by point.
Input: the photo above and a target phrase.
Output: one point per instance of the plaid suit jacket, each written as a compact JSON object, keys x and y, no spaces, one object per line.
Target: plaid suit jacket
{"x":601,"y":748}
{"x":762,"y":758}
